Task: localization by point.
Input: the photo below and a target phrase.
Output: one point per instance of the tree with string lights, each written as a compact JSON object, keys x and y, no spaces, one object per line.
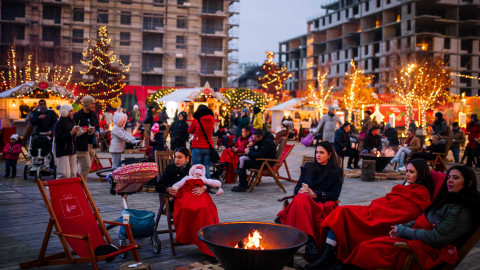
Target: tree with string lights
{"x":273,"y":80}
{"x":319,"y":95}
{"x":421,"y":82}
{"x":356,"y":89}
{"x":106,"y":73}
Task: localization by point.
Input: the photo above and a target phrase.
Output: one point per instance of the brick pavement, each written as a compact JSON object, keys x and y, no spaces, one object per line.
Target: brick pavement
{"x":24,"y":217}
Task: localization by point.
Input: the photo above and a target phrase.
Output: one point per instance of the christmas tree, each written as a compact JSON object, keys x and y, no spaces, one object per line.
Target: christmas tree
{"x":274,"y":78}
{"x":236,"y":98}
{"x":106,"y":73}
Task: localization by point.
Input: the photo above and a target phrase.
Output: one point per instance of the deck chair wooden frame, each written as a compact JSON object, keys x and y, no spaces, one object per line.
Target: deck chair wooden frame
{"x":163,"y":159}
{"x":165,"y":210}
{"x":440,"y":158}
{"x":462,"y":252}
{"x":267,"y":168}
{"x":99,"y":166}
{"x":66,"y":257}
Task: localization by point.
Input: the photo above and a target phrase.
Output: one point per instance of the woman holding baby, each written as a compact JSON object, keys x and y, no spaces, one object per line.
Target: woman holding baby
{"x":316,"y":195}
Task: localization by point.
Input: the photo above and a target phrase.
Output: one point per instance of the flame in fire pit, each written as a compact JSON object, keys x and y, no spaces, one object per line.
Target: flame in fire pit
{"x":378,"y":154}
{"x":252,"y":242}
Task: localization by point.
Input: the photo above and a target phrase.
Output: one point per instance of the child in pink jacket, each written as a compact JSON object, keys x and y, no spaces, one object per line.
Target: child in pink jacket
{"x":11,"y":152}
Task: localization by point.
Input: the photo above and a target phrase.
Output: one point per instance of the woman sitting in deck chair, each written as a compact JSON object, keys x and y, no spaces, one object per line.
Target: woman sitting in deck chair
{"x":434,"y":236}
{"x":351,"y":225}
{"x":317,"y":192}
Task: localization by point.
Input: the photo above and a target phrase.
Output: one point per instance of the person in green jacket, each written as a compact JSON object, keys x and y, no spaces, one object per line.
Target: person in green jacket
{"x":243,"y":121}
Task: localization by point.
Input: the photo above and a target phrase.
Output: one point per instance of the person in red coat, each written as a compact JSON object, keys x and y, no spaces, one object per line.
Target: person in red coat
{"x":351,"y":225}
{"x":435,"y":236}
{"x":229,"y":157}
{"x":200,"y":147}
{"x":316,"y":195}
{"x":11,"y":151}
{"x":473,"y":129}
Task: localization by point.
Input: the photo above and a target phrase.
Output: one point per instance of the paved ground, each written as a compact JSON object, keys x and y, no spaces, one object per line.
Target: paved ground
{"x":24,"y":216}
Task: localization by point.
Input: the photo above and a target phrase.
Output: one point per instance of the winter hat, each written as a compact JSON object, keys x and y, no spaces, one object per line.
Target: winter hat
{"x":368,"y":112}
{"x":245,"y":111}
{"x":87,"y":100}
{"x":388,"y":125}
{"x":474,"y":116}
{"x":330,"y":107}
{"x":256,"y":110}
{"x":15,"y":137}
{"x":197,"y":167}
{"x":135,"y":106}
{"x":122,"y":120}
{"x":155,"y":127}
{"x":64,"y":109}
{"x":197,"y":171}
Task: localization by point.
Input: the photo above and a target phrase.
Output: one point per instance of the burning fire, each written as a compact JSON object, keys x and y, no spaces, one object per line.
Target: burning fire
{"x":378,"y":154}
{"x":252,"y":242}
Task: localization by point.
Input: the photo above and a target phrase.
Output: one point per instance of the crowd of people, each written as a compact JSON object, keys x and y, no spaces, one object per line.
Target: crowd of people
{"x":431,"y":215}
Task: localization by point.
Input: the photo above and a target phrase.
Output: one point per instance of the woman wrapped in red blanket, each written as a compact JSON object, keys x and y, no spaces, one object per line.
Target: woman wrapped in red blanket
{"x":317,"y":192}
{"x":433,"y":236}
{"x":351,"y":225}
{"x":229,"y":158}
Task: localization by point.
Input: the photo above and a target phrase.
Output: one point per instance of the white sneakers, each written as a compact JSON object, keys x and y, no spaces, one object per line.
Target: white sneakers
{"x":401,"y":169}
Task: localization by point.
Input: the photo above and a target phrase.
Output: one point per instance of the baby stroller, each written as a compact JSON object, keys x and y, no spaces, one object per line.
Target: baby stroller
{"x":126,"y":180}
{"x":40,"y":158}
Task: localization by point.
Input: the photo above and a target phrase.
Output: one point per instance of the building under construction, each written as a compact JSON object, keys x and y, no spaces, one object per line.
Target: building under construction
{"x":377,"y":33}
{"x":182,"y":43}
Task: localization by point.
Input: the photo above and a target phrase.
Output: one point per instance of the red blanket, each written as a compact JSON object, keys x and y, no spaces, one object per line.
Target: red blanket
{"x":305,"y":214}
{"x":381,"y":252}
{"x":191,"y":213}
{"x":231,"y":159}
{"x":355,"y":224}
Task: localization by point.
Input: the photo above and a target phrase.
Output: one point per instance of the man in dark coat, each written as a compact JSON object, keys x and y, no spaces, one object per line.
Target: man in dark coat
{"x":343,"y":146}
{"x":373,"y":140}
{"x":263,"y":148}
{"x":392,"y":136}
{"x":43,"y":118}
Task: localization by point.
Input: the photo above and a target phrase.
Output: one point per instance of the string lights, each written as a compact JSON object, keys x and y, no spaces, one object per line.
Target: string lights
{"x":320,"y":95}
{"x":152,"y":98}
{"x":105,"y":71}
{"x":274,"y":78}
{"x":236,"y":98}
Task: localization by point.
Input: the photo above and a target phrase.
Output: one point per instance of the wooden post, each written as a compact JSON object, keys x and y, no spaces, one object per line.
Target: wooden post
{"x":368,"y":170}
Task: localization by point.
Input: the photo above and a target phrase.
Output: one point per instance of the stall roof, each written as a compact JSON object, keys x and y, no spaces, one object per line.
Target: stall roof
{"x":189,"y":94}
{"x":287,"y":104}
{"x":24,"y":88}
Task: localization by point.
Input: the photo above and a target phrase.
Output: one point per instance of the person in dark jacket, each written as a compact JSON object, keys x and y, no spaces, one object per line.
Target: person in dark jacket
{"x":263,"y":148}
{"x":343,"y":146}
{"x":440,"y":126}
{"x":438,"y":146}
{"x":163,"y":116}
{"x":43,"y":118}
{"x":65,"y":153}
{"x":243,"y":121}
{"x":149,"y":117}
{"x":179,"y":132}
{"x":392,"y":136}
{"x":88,"y":121}
{"x":373,"y":140}
{"x":200,"y":145}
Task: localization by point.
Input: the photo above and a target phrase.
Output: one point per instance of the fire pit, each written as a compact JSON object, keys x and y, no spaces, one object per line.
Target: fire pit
{"x":381,"y":160}
{"x":279,"y":243}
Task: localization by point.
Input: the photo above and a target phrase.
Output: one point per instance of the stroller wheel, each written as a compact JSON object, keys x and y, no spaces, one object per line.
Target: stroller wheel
{"x":123,"y":243}
{"x":25,"y":172}
{"x":156,"y":244}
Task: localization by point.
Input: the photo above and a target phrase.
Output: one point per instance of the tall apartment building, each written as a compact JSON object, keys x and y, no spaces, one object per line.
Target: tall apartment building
{"x":181,"y":43}
{"x":374,"y":33}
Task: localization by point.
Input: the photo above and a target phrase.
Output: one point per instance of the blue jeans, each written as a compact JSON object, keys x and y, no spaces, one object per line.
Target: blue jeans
{"x":202,"y":156}
{"x":456,"y":153}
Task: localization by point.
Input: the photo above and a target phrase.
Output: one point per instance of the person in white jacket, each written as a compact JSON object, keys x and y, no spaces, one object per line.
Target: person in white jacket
{"x":329,"y":122}
{"x":120,"y":137}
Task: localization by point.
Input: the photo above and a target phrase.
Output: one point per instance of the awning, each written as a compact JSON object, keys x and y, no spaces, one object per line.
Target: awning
{"x":26,"y":87}
{"x":190,"y":94}
{"x":287,"y":105}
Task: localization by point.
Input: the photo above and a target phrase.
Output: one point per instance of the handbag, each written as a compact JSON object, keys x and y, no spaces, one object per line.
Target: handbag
{"x":307,"y":141}
{"x":214,"y":156}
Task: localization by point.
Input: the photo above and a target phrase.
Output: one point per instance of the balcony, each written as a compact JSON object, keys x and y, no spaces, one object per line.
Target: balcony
{"x":213,"y":31}
{"x":210,"y":72}
{"x":152,"y":70}
{"x":213,"y":13}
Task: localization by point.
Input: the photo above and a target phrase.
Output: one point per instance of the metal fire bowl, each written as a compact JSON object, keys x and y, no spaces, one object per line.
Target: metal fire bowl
{"x":280,"y":243}
{"x":381,"y":161}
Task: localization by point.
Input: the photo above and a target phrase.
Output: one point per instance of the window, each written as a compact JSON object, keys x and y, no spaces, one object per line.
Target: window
{"x":180,"y":63}
{"x":179,"y":81}
{"x":11,"y":10}
{"x":446,"y":59}
{"x":149,"y":79}
{"x":125,"y":59}
{"x":76,"y":57}
{"x":48,"y":55}
{"x":78,"y":15}
{"x":151,"y":61}
{"x":366,"y":64}
{"x":50,"y":33}
{"x":355,"y":10}
{"x":330,"y":19}
{"x":158,"y":1}
{"x":125,"y":38}
{"x":13,"y":32}
{"x":102,"y":1}
{"x":388,"y":2}
{"x":446,"y":43}
{"x":338,"y":16}
{"x":152,"y":21}
{"x":347,"y":13}
{"x":127,"y":2}
{"x":152,"y":41}
{"x":181,"y":2}
{"x":126,"y":18}
{"x":379,"y":3}
{"x":409,"y":25}
{"x":102,"y":16}
{"x":181,"y":42}
{"x":181,"y":22}
{"x":52,"y":13}
{"x":409,"y":8}
{"x":77,"y":35}
{"x":367,"y":5}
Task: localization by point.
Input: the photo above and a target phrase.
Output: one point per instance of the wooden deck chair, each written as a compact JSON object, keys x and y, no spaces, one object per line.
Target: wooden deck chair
{"x":269,"y":167}
{"x":165,"y":210}
{"x":438,"y":163}
{"x":99,"y":168}
{"x":306,"y":159}
{"x":163,"y":159}
{"x":78,"y":224}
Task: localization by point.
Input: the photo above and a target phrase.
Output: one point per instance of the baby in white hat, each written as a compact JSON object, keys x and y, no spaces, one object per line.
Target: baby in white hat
{"x":198,"y":172}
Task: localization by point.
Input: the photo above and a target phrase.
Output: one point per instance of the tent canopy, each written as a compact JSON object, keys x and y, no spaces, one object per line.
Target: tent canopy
{"x":287,"y":105}
{"x":190,"y":94}
{"x":26,"y":87}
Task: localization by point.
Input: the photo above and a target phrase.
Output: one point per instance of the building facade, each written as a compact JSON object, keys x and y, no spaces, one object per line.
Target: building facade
{"x":376,"y":34}
{"x":182,"y":43}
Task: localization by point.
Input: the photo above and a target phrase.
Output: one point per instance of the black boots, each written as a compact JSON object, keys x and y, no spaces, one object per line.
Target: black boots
{"x":311,"y":252}
{"x":326,"y":259}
